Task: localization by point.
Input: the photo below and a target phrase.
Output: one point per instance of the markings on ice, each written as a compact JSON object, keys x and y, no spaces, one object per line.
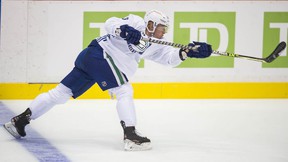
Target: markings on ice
{"x":34,"y":143}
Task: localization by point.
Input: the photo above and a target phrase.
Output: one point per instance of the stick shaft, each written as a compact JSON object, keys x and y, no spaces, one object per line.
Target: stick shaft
{"x":238,"y":56}
{"x":157,"y":41}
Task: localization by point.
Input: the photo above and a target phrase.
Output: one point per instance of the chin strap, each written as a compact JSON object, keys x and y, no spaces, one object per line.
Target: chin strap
{"x":151,"y":31}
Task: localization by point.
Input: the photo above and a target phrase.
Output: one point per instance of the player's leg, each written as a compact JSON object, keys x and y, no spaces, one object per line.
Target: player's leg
{"x":110,"y":77}
{"x":127,"y":115}
{"x":74,"y":84}
{"x":40,"y":105}
{"x":125,"y":104}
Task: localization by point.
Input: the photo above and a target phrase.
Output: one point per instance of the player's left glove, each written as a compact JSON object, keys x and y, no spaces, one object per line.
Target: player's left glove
{"x":130,"y":34}
{"x":205,"y":50}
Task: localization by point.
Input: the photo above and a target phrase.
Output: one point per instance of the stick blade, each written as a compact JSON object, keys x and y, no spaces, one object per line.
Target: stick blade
{"x":281,"y":46}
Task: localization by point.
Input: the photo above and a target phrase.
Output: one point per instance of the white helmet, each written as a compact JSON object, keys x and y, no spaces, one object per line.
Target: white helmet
{"x":156,"y":17}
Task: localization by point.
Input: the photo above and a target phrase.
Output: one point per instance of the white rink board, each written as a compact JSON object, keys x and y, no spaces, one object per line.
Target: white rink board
{"x":55,"y":37}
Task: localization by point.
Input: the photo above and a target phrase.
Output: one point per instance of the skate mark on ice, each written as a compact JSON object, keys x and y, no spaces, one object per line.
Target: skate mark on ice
{"x":33,"y":142}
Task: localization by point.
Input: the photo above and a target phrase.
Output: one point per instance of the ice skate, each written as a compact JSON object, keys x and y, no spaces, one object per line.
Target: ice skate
{"x":16,"y":127}
{"x":133,"y":141}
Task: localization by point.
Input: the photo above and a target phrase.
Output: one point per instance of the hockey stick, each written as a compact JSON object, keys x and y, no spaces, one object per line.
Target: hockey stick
{"x":280,"y":47}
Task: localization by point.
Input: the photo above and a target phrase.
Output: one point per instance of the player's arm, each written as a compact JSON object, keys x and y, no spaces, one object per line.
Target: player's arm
{"x":127,"y":28}
{"x":170,"y":56}
{"x":165,"y":55}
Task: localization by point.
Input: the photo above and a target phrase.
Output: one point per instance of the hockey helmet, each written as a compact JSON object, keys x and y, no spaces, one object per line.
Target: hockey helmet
{"x":156,"y":17}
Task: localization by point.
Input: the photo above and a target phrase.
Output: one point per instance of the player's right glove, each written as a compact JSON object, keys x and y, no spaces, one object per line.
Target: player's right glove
{"x":130,"y":34}
{"x":205,"y":50}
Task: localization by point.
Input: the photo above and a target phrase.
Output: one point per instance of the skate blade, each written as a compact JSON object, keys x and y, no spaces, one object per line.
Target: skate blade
{"x":11,"y":129}
{"x":132,"y":146}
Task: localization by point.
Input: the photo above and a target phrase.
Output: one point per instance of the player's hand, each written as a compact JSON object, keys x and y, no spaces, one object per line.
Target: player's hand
{"x":203,"y":51}
{"x":130,"y":34}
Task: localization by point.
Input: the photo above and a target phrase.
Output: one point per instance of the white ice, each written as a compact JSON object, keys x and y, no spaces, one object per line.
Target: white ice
{"x":180,"y":130}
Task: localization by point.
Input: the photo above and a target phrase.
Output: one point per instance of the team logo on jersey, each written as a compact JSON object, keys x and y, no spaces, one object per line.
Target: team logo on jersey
{"x":139,"y":48}
{"x":104,"y":84}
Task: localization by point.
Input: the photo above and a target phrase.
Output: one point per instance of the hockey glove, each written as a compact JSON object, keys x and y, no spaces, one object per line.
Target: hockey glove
{"x":130,"y":34}
{"x":203,"y":51}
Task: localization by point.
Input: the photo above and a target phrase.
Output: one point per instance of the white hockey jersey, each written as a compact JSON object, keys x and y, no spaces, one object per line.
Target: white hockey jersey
{"x":127,"y":59}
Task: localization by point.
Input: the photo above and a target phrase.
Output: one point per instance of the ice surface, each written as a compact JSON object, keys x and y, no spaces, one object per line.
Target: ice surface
{"x":180,"y":130}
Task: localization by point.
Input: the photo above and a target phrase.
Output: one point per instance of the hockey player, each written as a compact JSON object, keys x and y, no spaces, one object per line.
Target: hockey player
{"x":109,"y":61}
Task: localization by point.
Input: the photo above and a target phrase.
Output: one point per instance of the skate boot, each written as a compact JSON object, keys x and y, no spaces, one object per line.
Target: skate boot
{"x":133,"y":141}
{"x":16,"y":127}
